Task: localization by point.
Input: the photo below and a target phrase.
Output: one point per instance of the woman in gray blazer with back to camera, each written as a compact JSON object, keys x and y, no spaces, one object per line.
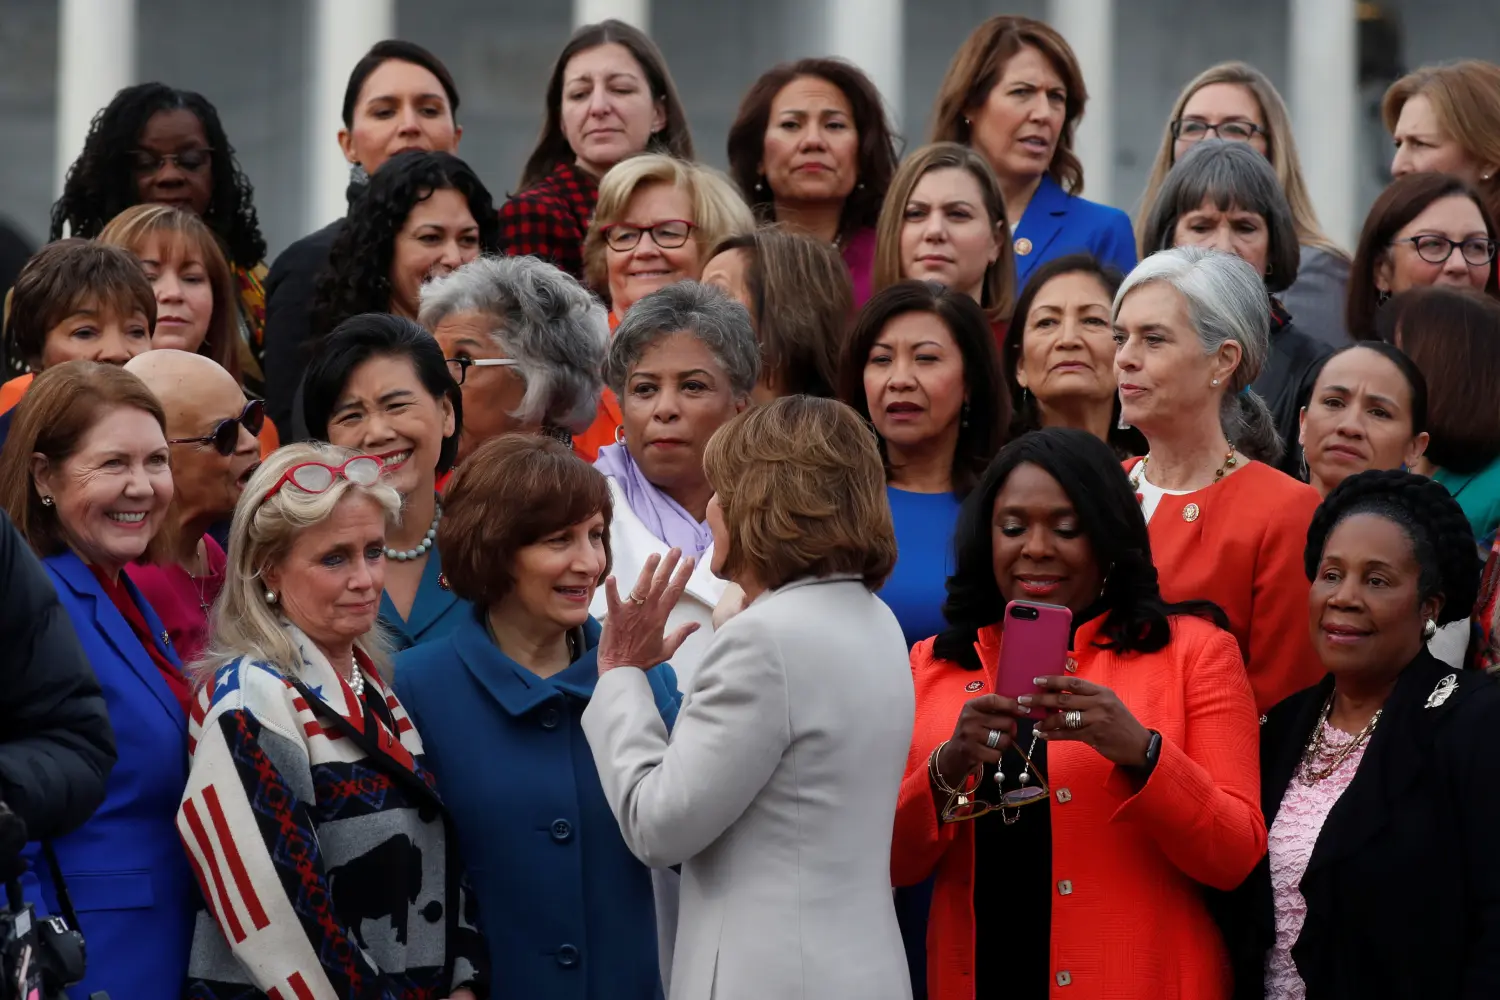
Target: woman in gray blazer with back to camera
{"x":776,"y":789}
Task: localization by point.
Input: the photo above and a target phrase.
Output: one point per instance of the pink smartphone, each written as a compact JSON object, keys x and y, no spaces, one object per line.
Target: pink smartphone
{"x":1035,"y":644}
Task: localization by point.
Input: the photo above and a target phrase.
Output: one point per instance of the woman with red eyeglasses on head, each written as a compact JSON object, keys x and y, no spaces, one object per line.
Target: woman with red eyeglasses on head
{"x":310,"y":819}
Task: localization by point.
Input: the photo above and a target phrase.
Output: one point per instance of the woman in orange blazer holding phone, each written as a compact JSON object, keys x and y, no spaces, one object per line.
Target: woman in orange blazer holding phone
{"x":1145,"y":749}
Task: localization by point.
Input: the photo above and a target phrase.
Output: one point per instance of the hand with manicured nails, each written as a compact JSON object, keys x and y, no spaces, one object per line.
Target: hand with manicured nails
{"x":969,"y":746}
{"x":1108,"y":726}
{"x":634,"y":632}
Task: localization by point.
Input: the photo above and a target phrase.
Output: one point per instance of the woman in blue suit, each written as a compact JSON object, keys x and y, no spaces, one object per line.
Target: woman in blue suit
{"x":1015,"y":93}
{"x":378,"y":384}
{"x":567,"y":909}
{"x":85,"y":478}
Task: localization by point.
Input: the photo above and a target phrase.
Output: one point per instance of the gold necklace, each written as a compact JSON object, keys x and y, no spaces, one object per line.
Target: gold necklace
{"x":1139,"y":472}
{"x":1306,"y":773}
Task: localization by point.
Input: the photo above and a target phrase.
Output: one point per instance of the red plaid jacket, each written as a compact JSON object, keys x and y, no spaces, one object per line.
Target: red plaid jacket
{"x":551,"y":219}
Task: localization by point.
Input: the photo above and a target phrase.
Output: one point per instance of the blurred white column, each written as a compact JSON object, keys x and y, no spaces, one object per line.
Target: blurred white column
{"x":343,"y":31}
{"x":869,"y":33}
{"x":1089,"y":27}
{"x":95,"y":58}
{"x":636,"y":13}
{"x":1324,"y":75}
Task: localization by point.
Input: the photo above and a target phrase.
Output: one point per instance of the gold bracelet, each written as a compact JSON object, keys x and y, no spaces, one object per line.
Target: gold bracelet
{"x":936,"y":776}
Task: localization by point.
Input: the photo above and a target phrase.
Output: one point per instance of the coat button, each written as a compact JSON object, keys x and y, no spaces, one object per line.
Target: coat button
{"x":1064,"y":978}
{"x":433,"y":912}
{"x":1064,"y":795}
{"x":562,"y":831}
{"x":550,"y":718}
{"x":567,"y":956}
{"x":1065,"y":888}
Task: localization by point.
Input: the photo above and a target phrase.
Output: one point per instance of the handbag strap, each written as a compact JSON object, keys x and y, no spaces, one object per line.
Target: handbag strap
{"x":60,"y":884}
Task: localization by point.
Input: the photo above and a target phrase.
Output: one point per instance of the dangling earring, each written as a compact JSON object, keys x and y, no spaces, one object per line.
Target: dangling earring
{"x":1382,"y":297}
{"x":270,"y":597}
{"x":358,"y":177}
{"x":620,"y":436}
{"x":760,"y":185}
{"x":1306,"y":474}
{"x":1429,"y":629}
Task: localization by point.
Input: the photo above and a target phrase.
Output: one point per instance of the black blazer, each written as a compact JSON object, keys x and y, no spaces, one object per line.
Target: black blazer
{"x":1287,"y":380}
{"x":1403,"y":886}
{"x":290,"y":288}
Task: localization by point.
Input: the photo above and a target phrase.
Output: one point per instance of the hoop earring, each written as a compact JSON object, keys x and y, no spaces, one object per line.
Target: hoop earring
{"x":620,"y":436}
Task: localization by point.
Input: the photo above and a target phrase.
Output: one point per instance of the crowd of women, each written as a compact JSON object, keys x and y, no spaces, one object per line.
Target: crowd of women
{"x":603,"y":591}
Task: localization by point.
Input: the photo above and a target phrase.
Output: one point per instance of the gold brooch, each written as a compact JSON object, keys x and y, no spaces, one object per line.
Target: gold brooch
{"x":1023,"y":246}
{"x":1442,"y":692}
{"x":1190,"y":512}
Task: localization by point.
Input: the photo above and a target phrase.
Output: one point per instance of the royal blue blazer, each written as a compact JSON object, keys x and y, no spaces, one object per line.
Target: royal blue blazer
{"x":435,"y":611}
{"x":567,"y":909}
{"x":1056,"y":224}
{"x":126,"y":870}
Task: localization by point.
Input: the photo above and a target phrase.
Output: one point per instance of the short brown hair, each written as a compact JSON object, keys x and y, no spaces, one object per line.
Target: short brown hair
{"x":979,"y":65}
{"x":802,"y":488}
{"x":801,"y":304}
{"x":876,"y":158}
{"x":513,"y":491}
{"x":1465,"y":98}
{"x":1405,"y":199}
{"x":1452,"y":335}
{"x":66,"y":276}
{"x":998,"y":294}
{"x":60,"y":407}
{"x":187,"y":234}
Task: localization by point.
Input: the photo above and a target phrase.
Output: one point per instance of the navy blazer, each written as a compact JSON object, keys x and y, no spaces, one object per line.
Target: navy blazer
{"x":126,"y":870}
{"x":1056,"y":224}
{"x":567,"y":909}
{"x":435,"y":611}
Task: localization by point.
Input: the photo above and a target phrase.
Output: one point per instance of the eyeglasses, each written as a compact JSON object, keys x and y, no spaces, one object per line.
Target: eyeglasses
{"x":192,"y":160}
{"x":459,"y":367}
{"x":1236,"y":130}
{"x":1437,"y":249}
{"x":668,"y":235}
{"x":315,"y":477}
{"x":966,"y":805}
{"x":225,"y":436}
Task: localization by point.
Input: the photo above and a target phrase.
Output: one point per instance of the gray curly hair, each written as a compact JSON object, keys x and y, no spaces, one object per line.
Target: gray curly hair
{"x":722,"y":324}
{"x":543,"y":318}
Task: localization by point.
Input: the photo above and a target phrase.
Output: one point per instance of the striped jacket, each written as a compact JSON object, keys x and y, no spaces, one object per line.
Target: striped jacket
{"x":324,"y":852}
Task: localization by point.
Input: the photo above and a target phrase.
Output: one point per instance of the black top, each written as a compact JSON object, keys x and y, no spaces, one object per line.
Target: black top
{"x":1286,"y":381}
{"x":1403,"y":885}
{"x":1013,"y":888}
{"x":290,"y":288}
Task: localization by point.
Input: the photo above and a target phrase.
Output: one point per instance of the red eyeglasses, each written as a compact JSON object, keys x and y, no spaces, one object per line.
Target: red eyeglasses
{"x":315,"y":477}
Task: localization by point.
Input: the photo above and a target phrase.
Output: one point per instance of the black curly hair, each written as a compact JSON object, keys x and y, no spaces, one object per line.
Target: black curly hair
{"x":358,"y":276}
{"x":1432,"y":519}
{"x":1095,"y":482}
{"x":101,"y":184}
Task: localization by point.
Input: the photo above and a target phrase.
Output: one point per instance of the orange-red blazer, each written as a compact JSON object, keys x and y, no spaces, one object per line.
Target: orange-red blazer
{"x":1243,"y":551}
{"x":1132,"y":924}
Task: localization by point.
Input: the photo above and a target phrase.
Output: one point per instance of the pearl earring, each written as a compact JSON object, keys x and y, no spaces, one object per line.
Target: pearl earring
{"x":47,"y":501}
{"x":1214,"y":382}
{"x":1429,"y":629}
{"x":270,"y":597}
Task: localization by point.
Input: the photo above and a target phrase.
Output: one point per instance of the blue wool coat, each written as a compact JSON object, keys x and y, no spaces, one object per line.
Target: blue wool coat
{"x":125,"y":868}
{"x":1056,"y":224}
{"x":567,"y":909}
{"x":435,"y":611}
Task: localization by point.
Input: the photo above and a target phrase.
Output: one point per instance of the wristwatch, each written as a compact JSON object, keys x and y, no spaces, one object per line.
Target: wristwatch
{"x":1153,"y":754}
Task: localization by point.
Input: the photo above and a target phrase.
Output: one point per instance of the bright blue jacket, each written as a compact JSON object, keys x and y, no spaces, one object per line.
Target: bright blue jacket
{"x":567,"y":909}
{"x":1056,"y":224}
{"x":126,"y":870}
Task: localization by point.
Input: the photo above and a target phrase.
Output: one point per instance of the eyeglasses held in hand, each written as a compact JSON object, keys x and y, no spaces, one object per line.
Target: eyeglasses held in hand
{"x":1235,"y":130}
{"x":966,"y":805}
{"x":459,"y":367}
{"x":1437,"y":249}
{"x":315,"y":477}
{"x":146,"y":163}
{"x":668,"y":235}
{"x":225,"y":436}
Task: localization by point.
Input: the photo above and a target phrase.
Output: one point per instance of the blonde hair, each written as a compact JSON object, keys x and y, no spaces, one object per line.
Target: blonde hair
{"x":1281,"y":150}
{"x":1465,"y":97}
{"x":242,"y":623}
{"x":188,"y":234}
{"x":718,"y":210}
{"x":998,"y":294}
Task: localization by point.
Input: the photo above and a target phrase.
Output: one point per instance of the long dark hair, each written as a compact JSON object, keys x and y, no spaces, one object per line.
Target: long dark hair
{"x":358,"y":276}
{"x":988,"y":403}
{"x":1137,"y":619}
{"x":101,"y":184}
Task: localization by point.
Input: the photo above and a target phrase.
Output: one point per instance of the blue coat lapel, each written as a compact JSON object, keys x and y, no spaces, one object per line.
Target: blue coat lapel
{"x":430,"y":604}
{"x":515,"y":688}
{"x":90,"y":597}
{"x":1043,"y":220}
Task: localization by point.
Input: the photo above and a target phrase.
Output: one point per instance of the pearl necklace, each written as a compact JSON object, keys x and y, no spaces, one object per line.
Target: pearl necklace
{"x":423,"y":546}
{"x":357,"y":682}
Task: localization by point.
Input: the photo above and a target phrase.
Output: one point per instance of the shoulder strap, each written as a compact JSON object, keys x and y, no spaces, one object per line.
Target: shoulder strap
{"x":60,"y":886}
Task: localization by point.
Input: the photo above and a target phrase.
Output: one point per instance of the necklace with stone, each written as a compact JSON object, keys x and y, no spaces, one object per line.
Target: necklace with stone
{"x":1139,"y":472}
{"x":422,"y":547}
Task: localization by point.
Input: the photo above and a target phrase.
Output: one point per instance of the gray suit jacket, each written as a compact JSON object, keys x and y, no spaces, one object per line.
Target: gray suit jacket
{"x":776,"y":792}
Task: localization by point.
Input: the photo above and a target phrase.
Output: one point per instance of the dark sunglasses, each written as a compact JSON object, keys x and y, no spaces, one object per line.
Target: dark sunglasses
{"x":225,"y":436}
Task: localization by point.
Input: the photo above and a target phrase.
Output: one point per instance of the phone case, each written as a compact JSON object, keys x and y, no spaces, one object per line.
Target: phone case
{"x":1031,"y":647}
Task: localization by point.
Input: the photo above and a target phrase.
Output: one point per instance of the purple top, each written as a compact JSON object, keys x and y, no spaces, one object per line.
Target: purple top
{"x":665,"y":518}
{"x":859,"y":257}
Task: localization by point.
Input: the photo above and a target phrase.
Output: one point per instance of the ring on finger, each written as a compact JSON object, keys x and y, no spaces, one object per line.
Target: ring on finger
{"x":633,"y":599}
{"x":1073,"y":719}
{"x":993,"y":740}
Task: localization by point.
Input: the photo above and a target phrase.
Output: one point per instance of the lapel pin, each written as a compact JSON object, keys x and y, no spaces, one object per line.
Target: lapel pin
{"x":1442,"y":692}
{"x":1190,"y":513}
{"x":166,"y":640}
{"x":973,"y":685}
{"x":442,"y":581}
{"x":1023,"y":246}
